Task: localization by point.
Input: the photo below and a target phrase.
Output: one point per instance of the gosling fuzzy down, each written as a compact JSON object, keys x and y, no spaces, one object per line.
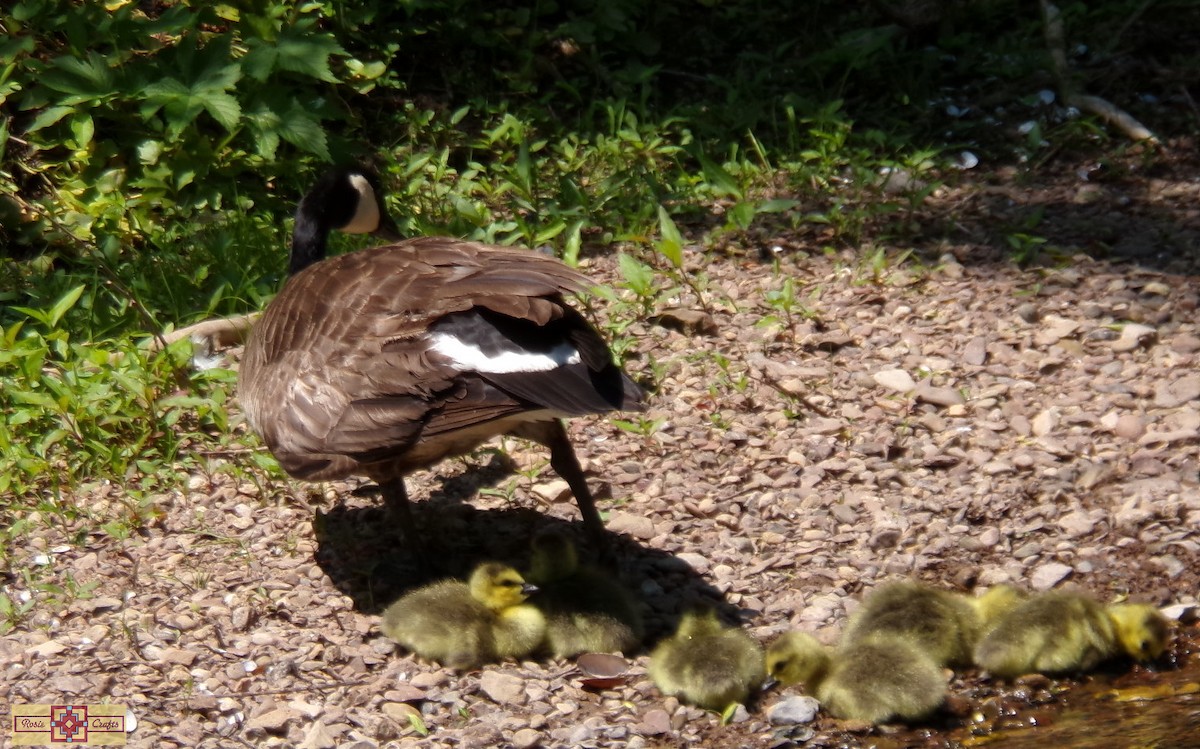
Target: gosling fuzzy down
{"x":1063,"y":632}
{"x":586,"y":610}
{"x":879,"y":677}
{"x":466,"y":624}
{"x":943,"y":624}
{"x":708,"y":664}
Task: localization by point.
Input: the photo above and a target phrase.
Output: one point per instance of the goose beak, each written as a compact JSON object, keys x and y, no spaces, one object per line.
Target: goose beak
{"x":770,"y":683}
{"x":529,"y":589}
{"x":387,"y":228}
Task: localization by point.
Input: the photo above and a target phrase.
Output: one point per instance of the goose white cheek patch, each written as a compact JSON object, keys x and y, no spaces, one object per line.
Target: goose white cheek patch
{"x":468,"y":356}
{"x":366,"y":215}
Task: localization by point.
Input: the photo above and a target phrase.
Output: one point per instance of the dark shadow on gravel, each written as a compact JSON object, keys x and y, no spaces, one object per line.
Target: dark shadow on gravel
{"x":366,"y":560}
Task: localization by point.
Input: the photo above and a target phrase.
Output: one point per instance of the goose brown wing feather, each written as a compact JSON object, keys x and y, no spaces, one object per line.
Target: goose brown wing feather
{"x":337,"y":372}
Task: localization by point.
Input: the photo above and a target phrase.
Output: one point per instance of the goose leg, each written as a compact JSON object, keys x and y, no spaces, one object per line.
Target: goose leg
{"x":395,"y":500}
{"x":553,"y":435}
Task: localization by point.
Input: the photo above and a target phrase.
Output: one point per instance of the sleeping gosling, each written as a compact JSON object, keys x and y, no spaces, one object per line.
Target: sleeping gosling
{"x":944,"y":625}
{"x":879,"y":677}
{"x":586,"y":610}
{"x":466,"y":624}
{"x":1062,"y":632}
{"x":708,"y":664}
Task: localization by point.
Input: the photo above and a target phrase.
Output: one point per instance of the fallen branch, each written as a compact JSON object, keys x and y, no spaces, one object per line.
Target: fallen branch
{"x":1102,"y":108}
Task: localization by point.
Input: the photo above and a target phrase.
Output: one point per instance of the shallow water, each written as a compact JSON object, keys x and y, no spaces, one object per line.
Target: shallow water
{"x":1150,"y":710}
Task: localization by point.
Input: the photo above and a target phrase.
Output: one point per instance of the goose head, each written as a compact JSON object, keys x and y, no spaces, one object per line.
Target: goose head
{"x":498,"y":586}
{"x":347,"y":199}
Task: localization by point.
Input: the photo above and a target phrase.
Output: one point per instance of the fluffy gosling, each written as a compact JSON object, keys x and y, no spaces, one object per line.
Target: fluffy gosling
{"x":1062,"y":632}
{"x":586,"y":610}
{"x":878,"y":677}
{"x":708,"y":664}
{"x":942,"y":624}
{"x":466,"y":624}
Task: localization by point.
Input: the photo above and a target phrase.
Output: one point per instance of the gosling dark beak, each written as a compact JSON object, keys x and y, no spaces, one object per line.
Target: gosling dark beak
{"x":770,"y":683}
{"x":529,"y":589}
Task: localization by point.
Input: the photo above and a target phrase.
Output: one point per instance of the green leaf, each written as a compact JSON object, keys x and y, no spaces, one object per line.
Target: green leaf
{"x":223,"y":108}
{"x":83,"y":128}
{"x":300,"y":51}
{"x":48,"y":117}
{"x":63,"y":305}
{"x":671,"y":244}
{"x":721,"y":181}
{"x":303,"y":130}
{"x":638,"y":276}
{"x":89,"y":79}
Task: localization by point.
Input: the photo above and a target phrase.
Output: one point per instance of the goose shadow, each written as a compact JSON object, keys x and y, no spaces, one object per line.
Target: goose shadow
{"x":365,"y":558}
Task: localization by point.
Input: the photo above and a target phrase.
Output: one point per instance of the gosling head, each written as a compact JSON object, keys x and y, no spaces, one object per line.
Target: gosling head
{"x":698,"y":621}
{"x":797,"y":658}
{"x":1141,"y":630}
{"x":499,"y":586}
{"x":553,"y":558}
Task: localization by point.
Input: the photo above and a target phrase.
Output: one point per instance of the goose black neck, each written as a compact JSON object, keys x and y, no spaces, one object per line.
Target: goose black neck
{"x":309,"y":241}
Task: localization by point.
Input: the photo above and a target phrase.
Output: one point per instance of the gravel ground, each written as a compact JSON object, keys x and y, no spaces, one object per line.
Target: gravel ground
{"x":960,"y":421}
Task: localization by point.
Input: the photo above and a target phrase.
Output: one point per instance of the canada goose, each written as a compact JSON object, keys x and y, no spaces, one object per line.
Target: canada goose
{"x":587,"y":610}
{"x":708,"y":664}
{"x":465,"y":624}
{"x":1061,"y":632}
{"x":878,"y":677}
{"x":943,"y":624}
{"x":386,"y":360}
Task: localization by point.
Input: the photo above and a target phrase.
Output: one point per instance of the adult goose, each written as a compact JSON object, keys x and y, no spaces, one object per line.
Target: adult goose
{"x":386,"y":360}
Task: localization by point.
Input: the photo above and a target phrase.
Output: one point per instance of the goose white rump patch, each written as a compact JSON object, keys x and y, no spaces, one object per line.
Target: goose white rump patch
{"x":468,"y":356}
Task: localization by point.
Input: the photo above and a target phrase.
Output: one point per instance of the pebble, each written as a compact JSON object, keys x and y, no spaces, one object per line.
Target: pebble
{"x":638,"y":526}
{"x":503,"y":688}
{"x":1048,"y":575}
{"x":793,"y":710}
{"x":526,"y":738}
{"x":895,"y":379}
{"x":654,"y":723}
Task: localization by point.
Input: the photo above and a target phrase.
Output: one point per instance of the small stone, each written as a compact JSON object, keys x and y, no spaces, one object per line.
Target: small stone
{"x":552,"y":491}
{"x":1045,"y":422}
{"x":793,"y":710}
{"x":502,"y":688}
{"x":429,"y":679}
{"x":638,"y":526}
{"x":272,"y":721}
{"x":1177,"y":393}
{"x":894,"y":379}
{"x":655,"y":722}
{"x":1132,"y":336}
{"x":696,"y":561}
{"x":1028,"y":312}
{"x":1157,"y":288}
{"x":400,"y":712}
{"x":1076,"y":524}
{"x":50,"y":647}
{"x":1054,"y":328}
{"x":975,"y":353}
{"x":178,"y":655}
{"x":939,"y":396}
{"x":1129,"y":426}
{"x":1049,"y":575}
{"x":318,"y":737}
{"x":526,"y":738}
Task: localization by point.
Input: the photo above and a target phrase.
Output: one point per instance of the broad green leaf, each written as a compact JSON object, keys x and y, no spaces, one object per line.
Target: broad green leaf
{"x":721,"y":181}
{"x":302,"y":130}
{"x":149,"y":152}
{"x":671,"y":244}
{"x":223,"y":108}
{"x":777,"y":205}
{"x":90,"y":78}
{"x":301,"y":51}
{"x":638,"y":276}
{"x":48,"y":117}
{"x":63,"y":305}
{"x":82,"y":128}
